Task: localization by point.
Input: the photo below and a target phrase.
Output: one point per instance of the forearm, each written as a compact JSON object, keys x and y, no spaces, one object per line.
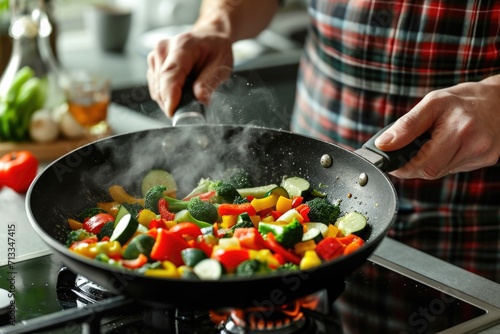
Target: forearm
{"x":238,"y":19}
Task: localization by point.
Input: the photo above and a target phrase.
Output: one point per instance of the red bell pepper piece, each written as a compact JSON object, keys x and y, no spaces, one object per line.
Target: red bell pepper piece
{"x":250,"y":238}
{"x":329,"y":248}
{"x":163,"y":209}
{"x":90,"y":240}
{"x":346,"y":240}
{"x":304,"y":209}
{"x":231,"y":258}
{"x":95,"y":223}
{"x":296,"y":201}
{"x":157,"y":223}
{"x":135,"y":263}
{"x":276,"y":247}
{"x":206,"y":244}
{"x":353,"y":246}
{"x":276,"y":214}
{"x":168,"y":246}
{"x":186,"y":230}
{"x":236,"y":209}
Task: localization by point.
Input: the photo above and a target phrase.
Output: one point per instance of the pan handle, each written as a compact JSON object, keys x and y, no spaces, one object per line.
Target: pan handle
{"x":388,"y":161}
{"x":189,"y":111}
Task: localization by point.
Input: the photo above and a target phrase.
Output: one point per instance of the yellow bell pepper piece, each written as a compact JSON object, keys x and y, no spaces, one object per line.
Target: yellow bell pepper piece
{"x":333,"y":231}
{"x":283,"y":204}
{"x":310,"y":260}
{"x":110,"y":248}
{"x":267,"y":202}
{"x":169,"y":271}
{"x":304,"y":246}
{"x":267,"y":219}
{"x":118,"y":194}
{"x":264,"y":255}
{"x":145,"y":217}
{"x":228,"y":221}
{"x":74,"y":224}
{"x":255,"y":220}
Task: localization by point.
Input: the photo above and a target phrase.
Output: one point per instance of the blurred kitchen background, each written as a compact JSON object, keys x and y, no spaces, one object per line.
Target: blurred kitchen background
{"x":268,"y":62}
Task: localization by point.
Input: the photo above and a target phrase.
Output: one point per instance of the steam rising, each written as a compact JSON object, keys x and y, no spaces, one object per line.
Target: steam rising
{"x":242,"y":100}
{"x":193,"y":152}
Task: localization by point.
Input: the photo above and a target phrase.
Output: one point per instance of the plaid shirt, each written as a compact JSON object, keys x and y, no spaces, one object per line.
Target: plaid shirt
{"x":368,"y":62}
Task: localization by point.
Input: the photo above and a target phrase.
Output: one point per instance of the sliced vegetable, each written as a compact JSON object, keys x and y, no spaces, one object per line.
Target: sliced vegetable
{"x":124,"y":229}
{"x":209,"y":269}
{"x":159,"y":177}
{"x":95,"y":223}
{"x":274,"y":246}
{"x":352,"y":222}
{"x":140,"y":244}
{"x":296,"y":186}
{"x":256,"y":192}
{"x":329,"y":248}
{"x":191,"y":256}
{"x":310,"y":260}
{"x":314,"y":234}
{"x":322,"y":227}
{"x":168,"y":246}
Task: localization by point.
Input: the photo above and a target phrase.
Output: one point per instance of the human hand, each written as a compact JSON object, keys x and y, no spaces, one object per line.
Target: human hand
{"x":201,"y":53}
{"x":464,"y":123}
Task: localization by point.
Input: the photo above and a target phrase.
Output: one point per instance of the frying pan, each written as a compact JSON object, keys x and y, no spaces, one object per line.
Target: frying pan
{"x":81,"y":178}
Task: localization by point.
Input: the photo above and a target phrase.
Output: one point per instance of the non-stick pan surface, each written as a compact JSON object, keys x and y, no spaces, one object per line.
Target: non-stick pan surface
{"x":81,"y":178}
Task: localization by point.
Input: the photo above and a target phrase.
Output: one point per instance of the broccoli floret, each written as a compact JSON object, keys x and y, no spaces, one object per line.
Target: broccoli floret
{"x":77,"y":235}
{"x":240,"y":200}
{"x":185,"y":216}
{"x":288,"y":267}
{"x":287,"y":235}
{"x":106,"y":230}
{"x":224,"y":192}
{"x":243,"y":221}
{"x":251,"y":267}
{"x":201,"y":188}
{"x":89,"y":212}
{"x":202,"y":210}
{"x":153,"y":196}
{"x":238,"y":177}
{"x":323,"y":211}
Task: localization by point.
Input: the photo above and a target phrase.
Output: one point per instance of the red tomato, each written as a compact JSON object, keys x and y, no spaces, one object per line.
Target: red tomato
{"x":17,"y":170}
{"x":186,"y":230}
{"x":95,"y":223}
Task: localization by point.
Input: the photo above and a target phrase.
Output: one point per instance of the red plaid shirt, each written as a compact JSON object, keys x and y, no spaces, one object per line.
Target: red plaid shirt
{"x":365,"y":64}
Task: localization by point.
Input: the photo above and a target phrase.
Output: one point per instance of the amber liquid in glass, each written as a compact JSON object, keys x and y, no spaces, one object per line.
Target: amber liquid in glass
{"x":89,"y":115}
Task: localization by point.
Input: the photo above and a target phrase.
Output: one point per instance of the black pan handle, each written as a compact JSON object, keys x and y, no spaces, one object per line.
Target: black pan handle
{"x":388,"y":161}
{"x":189,"y":111}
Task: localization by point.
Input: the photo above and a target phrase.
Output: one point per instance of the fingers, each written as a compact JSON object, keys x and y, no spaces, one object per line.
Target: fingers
{"x":209,"y":58}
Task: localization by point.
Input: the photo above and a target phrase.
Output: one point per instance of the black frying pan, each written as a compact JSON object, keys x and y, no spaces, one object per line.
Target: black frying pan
{"x":81,"y":178}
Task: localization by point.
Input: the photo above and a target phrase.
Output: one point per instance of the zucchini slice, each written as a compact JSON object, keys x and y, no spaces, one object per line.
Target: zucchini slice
{"x":279,"y":191}
{"x":256,"y":192}
{"x":124,"y":229}
{"x":209,"y":269}
{"x":320,"y":226}
{"x":352,"y":222}
{"x":312,"y":233}
{"x":140,"y":244}
{"x":122,"y":211}
{"x":296,"y":186}
{"x":159,"y":177}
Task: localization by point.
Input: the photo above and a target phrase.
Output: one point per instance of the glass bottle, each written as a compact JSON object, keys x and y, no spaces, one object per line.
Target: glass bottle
{"x":30,"y":30}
